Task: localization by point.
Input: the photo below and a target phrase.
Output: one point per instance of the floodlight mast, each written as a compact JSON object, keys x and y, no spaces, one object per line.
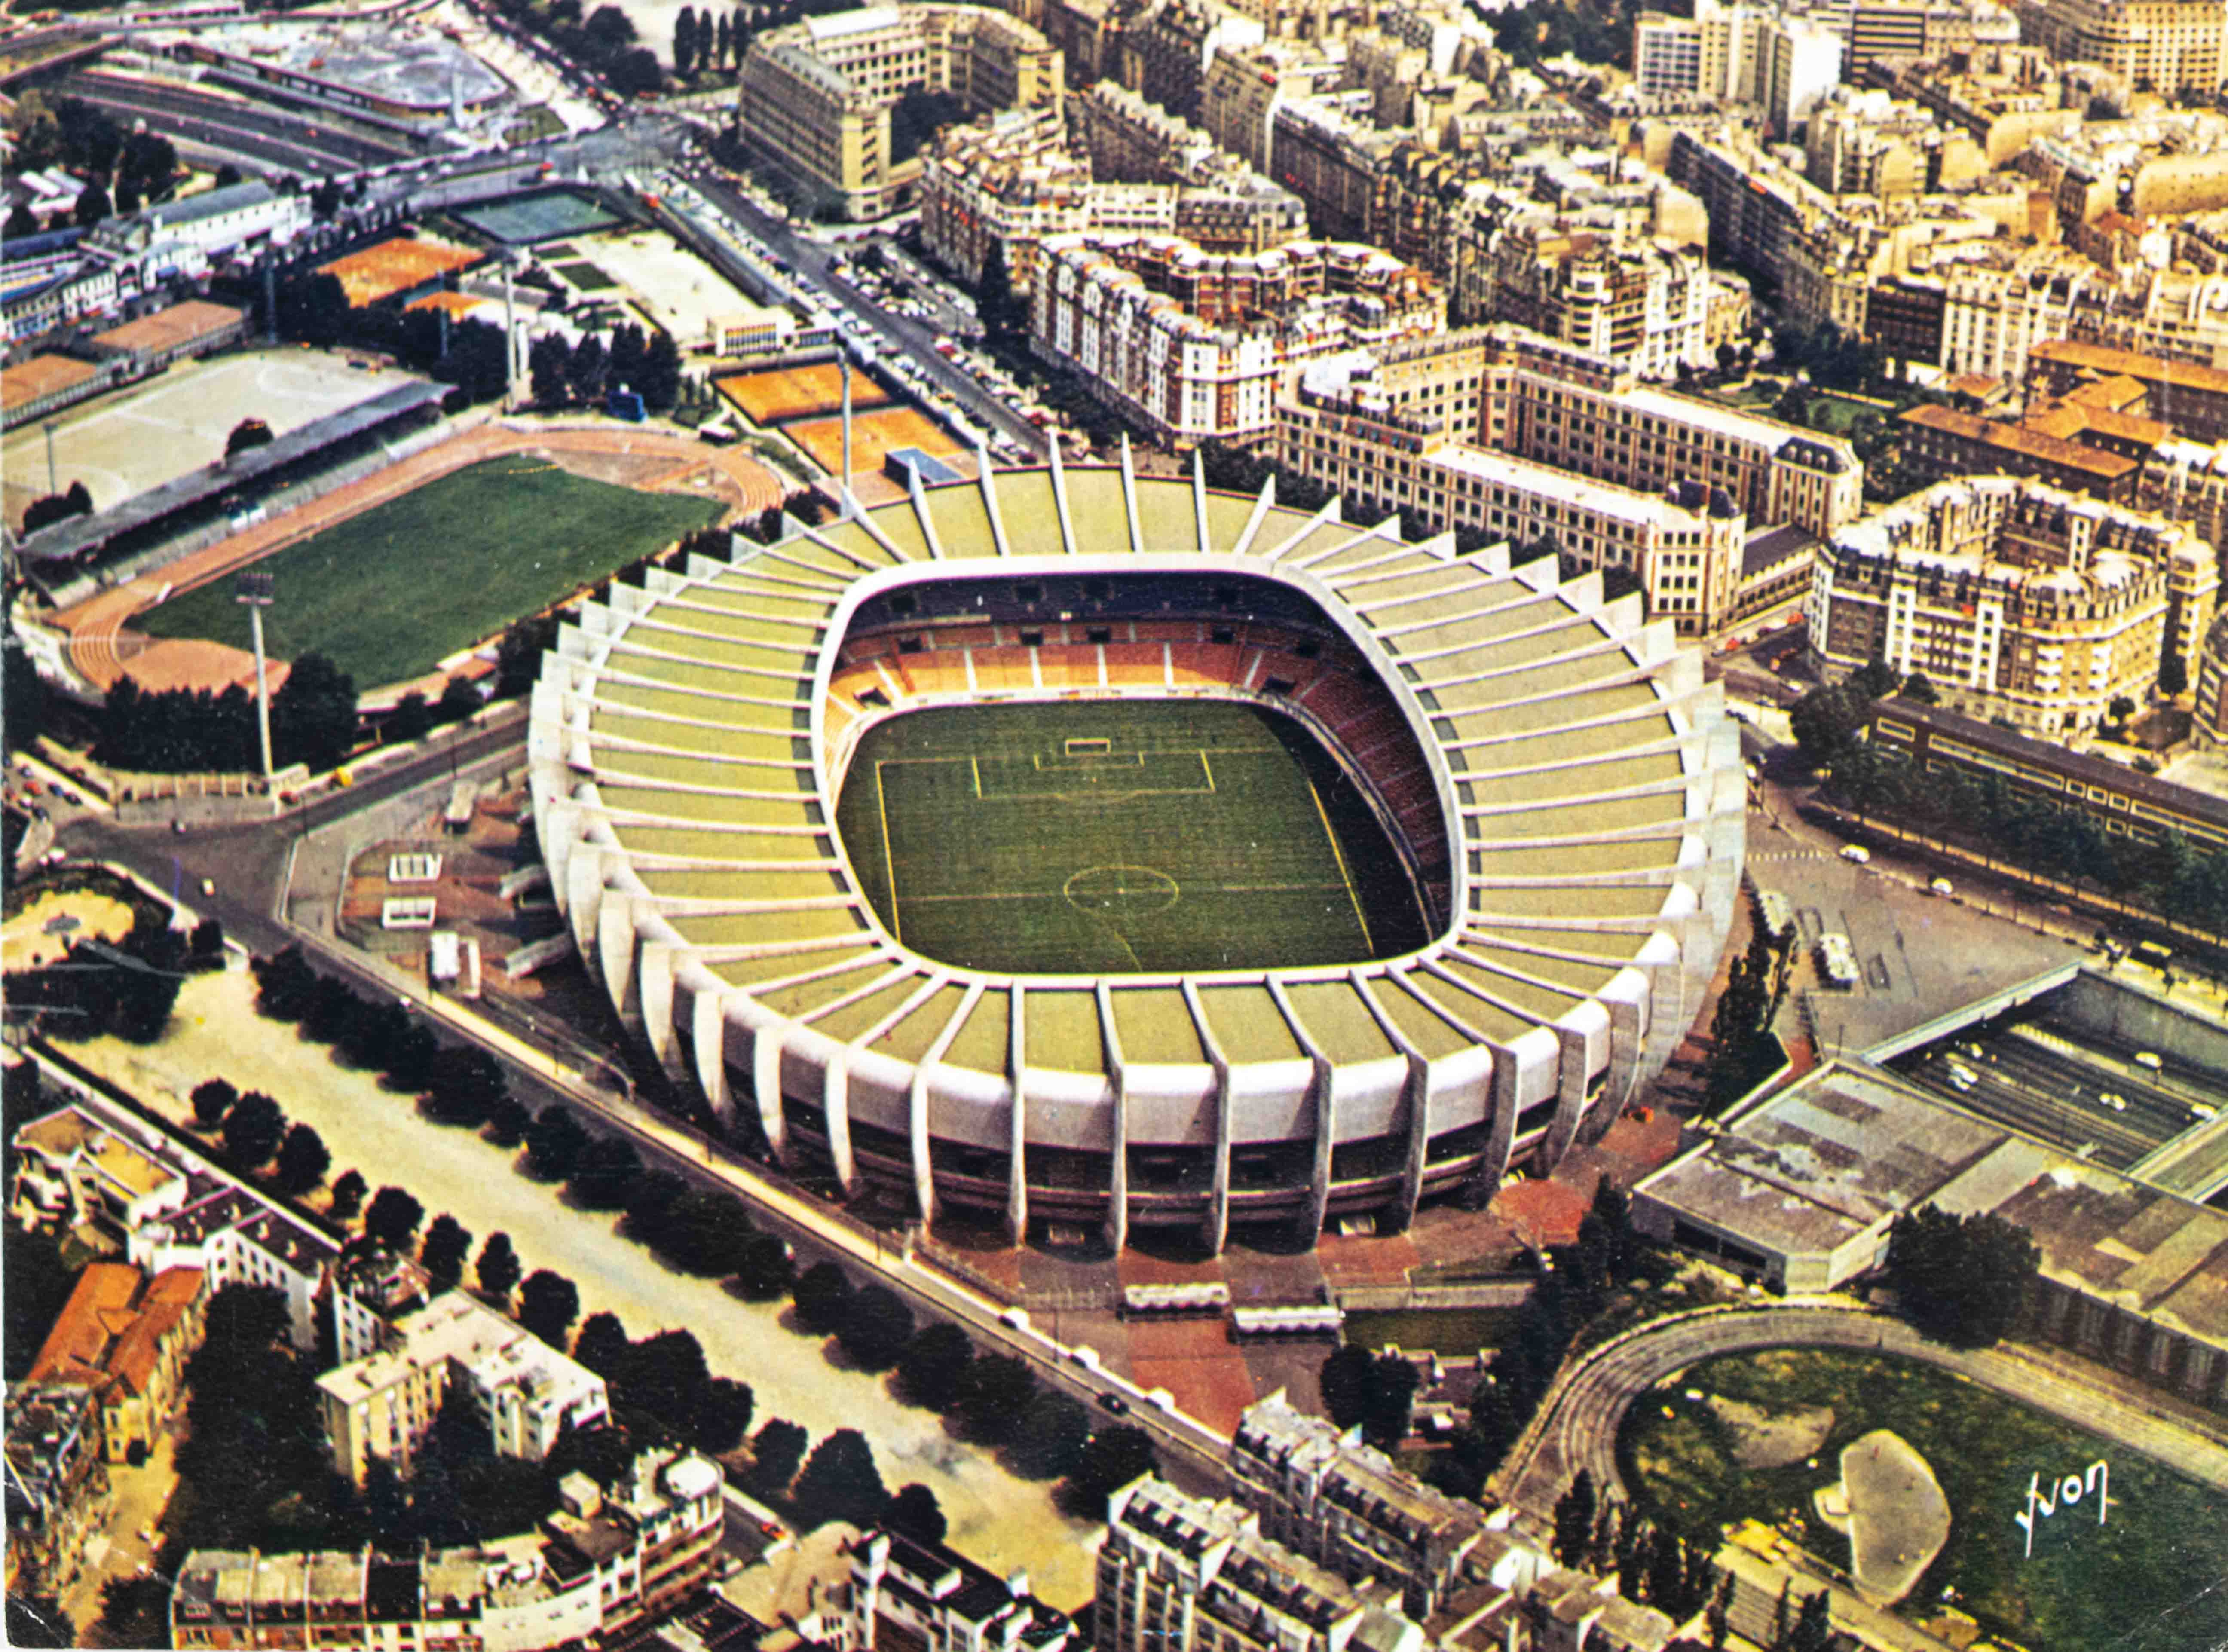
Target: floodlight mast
{"x":255,"y":592}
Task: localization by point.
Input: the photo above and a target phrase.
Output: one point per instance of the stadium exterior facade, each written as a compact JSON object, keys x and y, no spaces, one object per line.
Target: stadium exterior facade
{"x":689,"y":740}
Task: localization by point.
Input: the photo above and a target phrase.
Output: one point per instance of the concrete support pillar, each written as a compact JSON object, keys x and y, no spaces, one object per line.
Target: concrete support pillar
{"x":1501,"y":1137}
{"x":707,"y":1038}
{"x":1416,"y":1097}
{"x":766,"y":1080}
{"x":1017,"y":1170}
{"x":1570,"y":1096}
{"x":1216,"y":1233}
{"x":1117,"y":1201}
{"x":653,"y":992}
{"x":835,"y":1108}
{"x":1326,"y":1116}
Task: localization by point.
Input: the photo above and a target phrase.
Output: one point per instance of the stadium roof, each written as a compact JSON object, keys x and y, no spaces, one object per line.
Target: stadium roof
{"x":67,"y":539}
{"x":688,"y":753}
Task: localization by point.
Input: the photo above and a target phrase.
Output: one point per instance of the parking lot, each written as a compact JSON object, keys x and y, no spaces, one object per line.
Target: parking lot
{"x":138,"y":438}
{"x":2094,"y":1103}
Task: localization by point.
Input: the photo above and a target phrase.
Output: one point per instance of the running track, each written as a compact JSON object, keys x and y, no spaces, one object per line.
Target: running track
{"x":95,"y":625}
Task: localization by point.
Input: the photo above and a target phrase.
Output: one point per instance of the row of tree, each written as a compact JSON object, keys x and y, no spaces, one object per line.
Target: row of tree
{"x":187,"y":731}
{"x":563,"y":375}
{"x":1652,"y":1565}
{"x":604,"y":41}
{"x":705,"y":41}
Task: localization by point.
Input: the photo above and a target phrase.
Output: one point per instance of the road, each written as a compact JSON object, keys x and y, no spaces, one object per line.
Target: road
{"x":249,"y":862}
{"x":810,"y":259}
{"x":1578,"y":1425}
{"x":235,"y":128}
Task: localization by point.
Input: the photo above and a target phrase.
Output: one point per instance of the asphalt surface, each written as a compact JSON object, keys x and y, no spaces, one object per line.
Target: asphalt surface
{"x":257,"y":134}
{"x":810,"y":259}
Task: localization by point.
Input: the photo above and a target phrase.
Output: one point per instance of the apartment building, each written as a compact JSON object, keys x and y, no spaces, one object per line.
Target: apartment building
{"x":607,"y":1563}
{"x":2016,"y":599}
{"x":125,"y":1339}
{"x":57,"y":1484}
{"x":2165,"y":46}
{"x":1346,"y":1507}
{"x":1685,"y":547}
{"x":901,"y":1594}
{"x":525,"y":1393}
{"x":1327,"y":150}
{"x":1928,"y":30}
{"x":2190,"y":400}
{"x":1192,"y":346}
{"x":815,"y":97}
{"x":1505,"y":432}
{"x":1222,"y":204}
{"x":1243,"y":90}
{"x":1644,"y":304}
{"x":92,"y":1163}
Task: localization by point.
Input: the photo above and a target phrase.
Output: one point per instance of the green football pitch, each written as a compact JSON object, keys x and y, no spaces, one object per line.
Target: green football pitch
{"x":1111,"y":837}
{"x":388,"y":594}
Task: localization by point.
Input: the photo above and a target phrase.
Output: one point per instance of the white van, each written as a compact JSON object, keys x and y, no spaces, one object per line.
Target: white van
{"x":1857,"y":855}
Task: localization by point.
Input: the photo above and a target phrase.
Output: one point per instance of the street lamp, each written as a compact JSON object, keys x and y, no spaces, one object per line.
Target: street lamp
{"x":254,"y":592}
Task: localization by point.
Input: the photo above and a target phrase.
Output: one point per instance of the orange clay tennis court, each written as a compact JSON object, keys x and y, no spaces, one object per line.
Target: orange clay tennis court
{"x":777,"y":393}
{"x":872,"y":434}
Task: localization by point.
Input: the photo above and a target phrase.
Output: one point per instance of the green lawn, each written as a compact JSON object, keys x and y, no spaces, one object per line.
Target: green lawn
{"x":388,"y":594}
{"x":1444,"y":1331}
{"x":2148,"y":1579}
{"x":585,"y":276}
{"x":1118,"y":837}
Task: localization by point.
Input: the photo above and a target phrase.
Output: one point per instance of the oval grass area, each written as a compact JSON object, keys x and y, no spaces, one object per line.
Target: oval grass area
{"x":388,"y":594}
{"x":2152,"y":1577}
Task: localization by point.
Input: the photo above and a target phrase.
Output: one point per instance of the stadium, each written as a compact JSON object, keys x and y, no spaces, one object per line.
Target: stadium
{"x":1103,"y":851}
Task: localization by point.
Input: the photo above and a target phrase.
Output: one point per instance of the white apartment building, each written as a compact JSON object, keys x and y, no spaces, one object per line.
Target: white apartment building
{"x":91,"y":1163}
{"x":526,"y":1393}
{"x":1194,"y":346}
{"x":2015,"y":599}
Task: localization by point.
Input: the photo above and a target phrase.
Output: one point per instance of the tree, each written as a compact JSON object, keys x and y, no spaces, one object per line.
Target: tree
{"x":932,"y":1364}
{"x":226,"y":176}
{"x":21,"y":222}
{"x":460,"y":698}
{"x":498,"y":1268}
{"x":347,"y":1195}
{"x":723,"y":1415}
{"x":313,"y":715}
{"x":1574,"y":1520}
{"x":93,"y":206}
{"x":407,"y":1059}
{"x":684,"y":40}
{"x":1004,"y":314}
{"x":411,"y":719}
{"x":584,"y":377}
{"x":247,"y":435}
{"x":547,"y":1305}
{"x":822,"y":1297}
{"x":213,"y":1098}
{"x":603,"y":1171}
{"x":508,"y":1122}
{"x":1113,"y":1458}
{"x":776,"y":1450}
{"x":1813,"y":1625}
{"x":1962,"y":1280}
{"x":610,"y":28}
{"x":659,"y":378}
{"x":2173,"y":675}
{"x":1393,"y":1382}
{"x":2122,"y":708}
{"x":994,"y":1392}
{"x":841,"y":1481}
{"x":448,"y":1244}
{"x":302,"y":1160}
{"x":1917,"y":687}
{"x":875,"y":1328}
{"x":1347,"y":1384}
{"x":636,"y":70}
{"x":252,"y":1130}
{"x":554,"y":1142}
{"x":393,"y":1219}
{"x":602,"y":1344}
{"x":651,"y":1201}
{"x":763,"y":1270}
{"x":134,"y":1612}
{"x":915,"y":1512}
{"x":1050,"y":1437}
{"x":547,"y":361}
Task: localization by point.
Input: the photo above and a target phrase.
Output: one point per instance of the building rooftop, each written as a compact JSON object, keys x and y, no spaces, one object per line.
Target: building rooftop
{"x":182,"y":324}
{"x":114,"y":1325}
{"x":1833,"y":1157}
{"x":41,"y":375}
{"x":72,"y":1133}
{"x":2108,"y":360}
{"x":2037,"y":441}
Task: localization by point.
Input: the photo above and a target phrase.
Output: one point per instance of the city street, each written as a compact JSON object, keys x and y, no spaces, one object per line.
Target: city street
{"x":1002,"y":1521}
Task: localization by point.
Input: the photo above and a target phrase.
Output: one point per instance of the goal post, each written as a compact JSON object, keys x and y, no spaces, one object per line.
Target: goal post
{"x":1088,"y":747}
